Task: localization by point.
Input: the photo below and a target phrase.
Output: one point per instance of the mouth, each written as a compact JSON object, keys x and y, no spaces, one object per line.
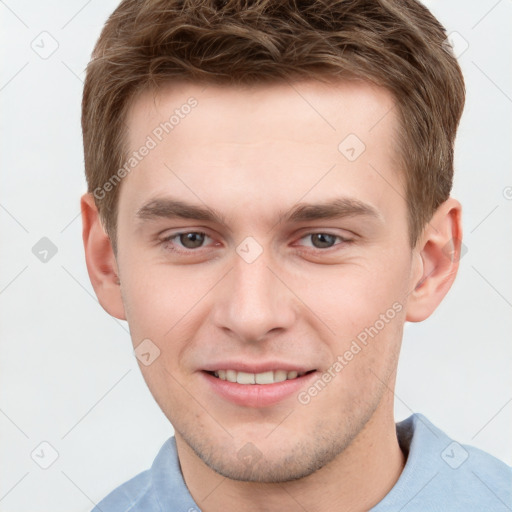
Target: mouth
{"x":255,"y":390}
{"x":264,"y":378}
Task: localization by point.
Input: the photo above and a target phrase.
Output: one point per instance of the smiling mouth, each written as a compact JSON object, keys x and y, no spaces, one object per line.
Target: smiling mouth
{"x":268,"y":377}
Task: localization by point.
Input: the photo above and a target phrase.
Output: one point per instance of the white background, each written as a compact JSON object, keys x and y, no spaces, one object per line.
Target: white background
{"x":67,"y":373}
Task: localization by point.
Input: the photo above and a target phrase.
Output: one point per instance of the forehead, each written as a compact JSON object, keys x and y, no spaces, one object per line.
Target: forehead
{"x":267,"y":144}
{"x":244,"y":111}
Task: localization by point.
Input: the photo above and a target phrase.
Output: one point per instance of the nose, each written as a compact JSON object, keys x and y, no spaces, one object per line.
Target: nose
{"x":255,"y":301}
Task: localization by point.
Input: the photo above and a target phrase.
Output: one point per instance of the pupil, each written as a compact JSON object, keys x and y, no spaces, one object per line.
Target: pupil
{"x":192,"y":240}
{"x":322,"y":240}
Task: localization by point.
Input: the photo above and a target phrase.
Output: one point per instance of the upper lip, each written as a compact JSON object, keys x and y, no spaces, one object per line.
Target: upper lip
{"x":252,"y":367}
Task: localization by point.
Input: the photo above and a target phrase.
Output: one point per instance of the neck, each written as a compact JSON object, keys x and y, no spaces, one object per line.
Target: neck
{"x":356,"y":480}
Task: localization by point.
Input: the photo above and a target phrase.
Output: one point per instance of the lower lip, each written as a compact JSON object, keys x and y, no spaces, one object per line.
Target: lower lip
{"x":257,"y":395}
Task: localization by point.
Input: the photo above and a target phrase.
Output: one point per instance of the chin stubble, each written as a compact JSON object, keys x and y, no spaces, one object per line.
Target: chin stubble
{"x":303,"y":458}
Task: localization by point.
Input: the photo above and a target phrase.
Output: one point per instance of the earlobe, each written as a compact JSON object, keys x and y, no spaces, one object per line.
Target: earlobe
{"x":100,"y":260}
{"x":438,"y":252}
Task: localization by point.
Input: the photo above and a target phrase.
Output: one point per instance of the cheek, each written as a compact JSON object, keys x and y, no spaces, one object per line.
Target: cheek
{"x":363,"y":307}
{"x":154,"y":293}
{"x":167,"y":305}
{"x":349,"y":299}
{"x":162,"y":300}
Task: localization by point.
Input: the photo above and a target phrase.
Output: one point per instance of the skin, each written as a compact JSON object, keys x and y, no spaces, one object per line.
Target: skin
{"x":252,"y":153}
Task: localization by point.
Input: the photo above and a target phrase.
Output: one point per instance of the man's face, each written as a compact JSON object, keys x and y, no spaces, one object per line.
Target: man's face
{"x":271,"y":285}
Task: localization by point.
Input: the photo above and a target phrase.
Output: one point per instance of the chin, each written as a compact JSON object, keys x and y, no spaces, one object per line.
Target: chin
{"x":268,"y":464}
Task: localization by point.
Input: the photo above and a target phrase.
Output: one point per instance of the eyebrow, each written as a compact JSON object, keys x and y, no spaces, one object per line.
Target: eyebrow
{"x":169,"y":208}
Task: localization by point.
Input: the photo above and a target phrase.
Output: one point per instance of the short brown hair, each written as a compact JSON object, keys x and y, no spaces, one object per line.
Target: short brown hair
{"x":397,"y":44}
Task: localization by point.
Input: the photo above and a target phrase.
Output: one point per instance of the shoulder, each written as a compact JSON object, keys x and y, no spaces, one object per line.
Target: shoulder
{"x":159,"y":488}
{"x":442,"y":474}
{"x":478,"y":474}
{"x":131,"y":496}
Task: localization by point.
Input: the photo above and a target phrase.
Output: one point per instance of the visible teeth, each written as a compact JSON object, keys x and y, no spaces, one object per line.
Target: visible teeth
{"x":245,"y":378}
{"x":280,"y":375}
{"x":265,"y":378}
{"x":268,"y":377}
{"x":231,"y":375}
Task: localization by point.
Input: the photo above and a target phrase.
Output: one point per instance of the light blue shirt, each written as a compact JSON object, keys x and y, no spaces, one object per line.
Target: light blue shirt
{"x":440,"y":475}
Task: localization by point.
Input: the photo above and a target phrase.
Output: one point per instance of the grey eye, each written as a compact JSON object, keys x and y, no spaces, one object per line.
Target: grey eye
{"x":192,"y":240}
{"x":323,"y":240}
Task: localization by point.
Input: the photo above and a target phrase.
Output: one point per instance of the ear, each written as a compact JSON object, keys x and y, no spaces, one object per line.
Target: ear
{"x":437,"y":254}
{"x":100,"y":260}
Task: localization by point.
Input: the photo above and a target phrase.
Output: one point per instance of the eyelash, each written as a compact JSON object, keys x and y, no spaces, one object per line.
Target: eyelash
{"x":167,"y":241}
